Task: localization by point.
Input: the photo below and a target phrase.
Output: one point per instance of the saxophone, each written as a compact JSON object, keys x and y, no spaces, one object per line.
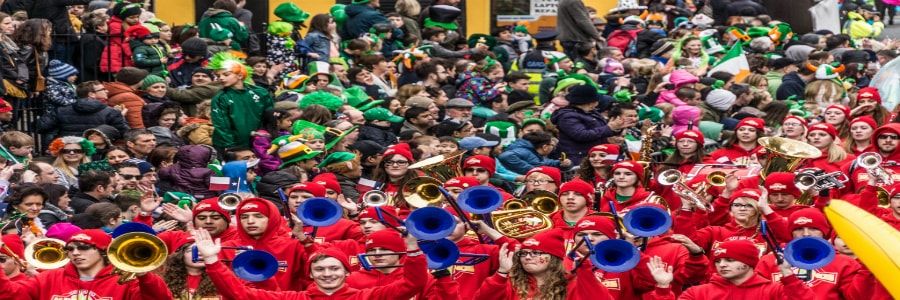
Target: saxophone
{"x":645,"y":155}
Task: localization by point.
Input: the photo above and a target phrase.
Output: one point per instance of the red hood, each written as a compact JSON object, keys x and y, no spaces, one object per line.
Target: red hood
{"x":116,"y":88}
{"x":756,"y":280}
{"x":892,"y":128}
{"x":273,"y":228}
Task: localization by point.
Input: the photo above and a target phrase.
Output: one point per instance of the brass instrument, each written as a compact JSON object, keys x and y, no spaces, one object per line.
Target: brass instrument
{"x":785,"y":155}
{"x":136,"y":252}
{"x":871,"y":162}
{"x":422,"y":191}
{"x":520,"y":223}
{"x":46,"y":254}
{"x":542,"y":201}
{"x":514,"y":204}
{"x":884,"y":198}
{"x":376,"y":198}
{"x":716,"y":178}
{"x":675,"y":178}
{"x":645,"y":155}
{"x":441,"y":167}
{"x":230,"y":201}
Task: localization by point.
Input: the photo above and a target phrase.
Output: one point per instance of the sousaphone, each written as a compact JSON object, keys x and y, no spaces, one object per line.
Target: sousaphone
{"x":785,"y":155}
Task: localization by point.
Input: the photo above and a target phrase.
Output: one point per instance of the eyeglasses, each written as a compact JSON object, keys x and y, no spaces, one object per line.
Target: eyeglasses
{"x":791,"y":124}
{"x":101,"y":90}
{"x":523,"y":254}
{"x":81,"y":247}
{"x":888,"y":137}
{"x":537,"y":181}
{"x":131,"y":177}
{"x":738,"y":205}
{"x":72,"y":151}
{"x":475,"y":170}
{"x":398,"y":163}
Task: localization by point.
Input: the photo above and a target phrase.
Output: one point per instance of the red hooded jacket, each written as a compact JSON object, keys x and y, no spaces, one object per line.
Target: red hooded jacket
{"x":869,"y":202}
{"x":470,"y":278}
{"x":117,"y":53}
{"x":290,"y":252}
{"x":582,"y":285}
{"x":640,"y":194}
{"x":708,"y":237}
{"x":435,"y":289}
{"x":838,"y":280}
{"x":756,"y":288}
{"x":414,"y":278}
{"x":731,"y":154}
{"x":342,"y":230}
{"x":64,"y":283}
{"x":689,"y":269}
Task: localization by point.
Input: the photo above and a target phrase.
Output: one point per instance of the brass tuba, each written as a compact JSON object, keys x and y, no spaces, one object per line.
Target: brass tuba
{"x":542,"y":201}
{"x":785,"y":155}
{"x":136,"y":252}
{"x":520,"y":223}
{"x":422,"y":191}
{"x":46,"y":254}
{"x":441,"y":167}
{"x":674,"y":178}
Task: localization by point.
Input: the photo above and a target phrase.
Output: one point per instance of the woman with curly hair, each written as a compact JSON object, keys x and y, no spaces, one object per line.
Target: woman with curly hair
{"x":70,"y":152}
{"x":187,"y":279}
{"x":596,"y":168}
{"x":25,"y":204}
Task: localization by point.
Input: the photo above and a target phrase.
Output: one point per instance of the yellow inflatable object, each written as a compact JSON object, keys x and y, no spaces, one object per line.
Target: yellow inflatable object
{"x":876,"y":243}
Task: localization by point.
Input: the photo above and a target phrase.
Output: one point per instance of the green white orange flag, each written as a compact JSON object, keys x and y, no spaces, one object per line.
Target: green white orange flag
{"x":734,"y":62}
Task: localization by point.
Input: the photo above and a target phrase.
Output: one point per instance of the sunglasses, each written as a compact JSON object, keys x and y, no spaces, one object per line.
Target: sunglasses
{"x":130,"y":177}
{"x":72,"y":151}
{"x":81,"y":247}
{"x":475,"y":170}
{"x":888,"y":137}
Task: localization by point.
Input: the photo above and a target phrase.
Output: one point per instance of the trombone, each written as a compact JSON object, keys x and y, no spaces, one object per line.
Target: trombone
{"x":674,"y":179}
{"x":46,"y":254}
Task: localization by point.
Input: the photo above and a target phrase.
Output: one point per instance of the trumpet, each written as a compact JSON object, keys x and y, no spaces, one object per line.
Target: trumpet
{"x":46,"y":254}
{"x":375,"y":198}
{"x":136,"y":252}
{"x":230,"y":201}
{"x":716,"y":178}
{"x":674,"y":178}
{"x":871,"y":161}
{"x":814,"y":178}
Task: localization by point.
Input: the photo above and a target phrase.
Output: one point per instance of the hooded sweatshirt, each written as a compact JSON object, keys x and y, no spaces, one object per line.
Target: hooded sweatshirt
{"x":435,"y":289}
{"x":121,"y":94}
{"x":64,"y":283}
{"x":581,"y":285}
{"x":756,"y":287}
{"x":678,"y":78}
{"x":291,"y":255}
{"x":859,"y":178}
{"x":214,"y":17}
{"x":843,"y":278}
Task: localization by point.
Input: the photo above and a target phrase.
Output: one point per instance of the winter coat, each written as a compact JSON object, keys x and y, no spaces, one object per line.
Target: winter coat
{"x":320,"y":44}
{"x":237,"y":171}
{"x":731,"y":154}
{"x":260,"y":144}
{"x":57,"y":12}
{"x":87,"y":54}
{"x":225,"y":20}
{"x":80,"y":202}
{"x":121,"y":94}
{"x":117,"y":53}
{"x":165,"y":136}
{"x":344,"y":229}
{"x":470,"y":278}
{"x":64,"y":283}
{"x":290,"y":253}
{"x":774,"y":80}
{"x":278,"y":52}
{"x":236,"y":113}
{"x":478,"y":89}
{"x":791,"y":85}
{"x":573,"y":22}
{"x":268,"y":186}
{"x":196,"y":131}
{"x":181,"y":71}
{"x":579,"y":131}
{"x":82,"y":115}
{"x":33,"y":60}
{"x":756,"y":287}
{"x":710,"y":113}
{"x":745,"y":8}
{"x":688,"y":269}
{"x":843,"y":278}
{"x":695,"y":225}
{"x":189,"y":173}
{"x":189,"y":96}
{"x":361,"y":17}
{"x":148,"y":57}
{"x":435,"y":289}
{"x":520,"y":157}
{"x":58,"y":94}
{"x":582,"y":285}
{"x":12,"y":66}
{"x":378,"y":134}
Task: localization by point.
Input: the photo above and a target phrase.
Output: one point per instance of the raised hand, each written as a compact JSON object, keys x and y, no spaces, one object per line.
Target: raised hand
{"x":206,"y":247}
{"x":506,"y":258}
{"x":687,"y":243}
{"x":180,"y":214}
{"x":165,"y":225}
{"x":661,"y":273}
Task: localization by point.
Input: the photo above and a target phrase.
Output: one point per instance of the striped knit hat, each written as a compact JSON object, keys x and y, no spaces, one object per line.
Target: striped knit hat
{"x":60,"y":71}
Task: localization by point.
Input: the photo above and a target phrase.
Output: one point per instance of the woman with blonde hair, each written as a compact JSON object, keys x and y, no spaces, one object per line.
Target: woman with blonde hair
{"x":859,"y":139}
{"x":824,"y":137}
{"x":757,"y":81}
{"x":409,"y":11}
{"x":70,"y":152}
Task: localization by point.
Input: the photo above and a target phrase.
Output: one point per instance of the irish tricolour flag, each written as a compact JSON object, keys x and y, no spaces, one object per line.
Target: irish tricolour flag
{"x":734,"y":62}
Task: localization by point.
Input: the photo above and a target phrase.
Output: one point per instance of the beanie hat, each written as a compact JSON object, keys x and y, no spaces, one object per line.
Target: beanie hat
{"x":290,"y":12}
{"x":372,"y":213}
{"x":781,"y":182}
{"x":317,"y":190}
{"x":746,"y":193}
{"x":554,"y":173}
{"x":151,"y":80}
{"x":631,"y":166}
{"x":740,"y":250}
{"x":756,"y":123}
{"x":809,"y":217}
{"x":194,"y":47}
{"x":798,"y":119}
{"x":95,"y":237}
{"x":868,"y":93}
{"x":462,"y":182}
{"x":62,"y":231}
{"x":329,"y":181}
{"x":602,"y":224}
{"x":175,"y":239}
{"x":693,"y":134}
{"x":131,"y":75}
{"x":865,"y":119}
{"x":581,"y":187}
{"x":582,"y":94}
{"x":550,"y":242}
{"x":5,"y":107}
{"x":328,"y":252}
{"x":60,"y":71}
{"x":401,"y":149}
{"x":827,"y":128}
{"x":843,"y":108}
{"x":258,"y":205}
{"x":720,"y":99}
{"x":611,"y":150}
{"x":124,"y":10}
{"x":388,"y":239}
{"x":211,"y":204}
{"x":14,"y":246}
{"x":482,"y":161}
{"x":138,"y":32}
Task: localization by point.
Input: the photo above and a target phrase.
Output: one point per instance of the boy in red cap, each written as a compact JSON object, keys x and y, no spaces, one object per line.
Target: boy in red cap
{"x":212,"y":217}
{"x":344,"y":229}
{"x":734,"y":278}
{"x":843,"y":278}
{"x":328,"y":268}
{"x":742,"y":147}
{"x":12,"y":257}
{"x":575,"y":199}
{"x":86,"y":276}
{"x":482,"y":168}
{"x":626,"y":190}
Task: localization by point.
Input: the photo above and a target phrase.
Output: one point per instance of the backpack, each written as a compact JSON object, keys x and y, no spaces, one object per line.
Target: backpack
{"x":625,"y":40}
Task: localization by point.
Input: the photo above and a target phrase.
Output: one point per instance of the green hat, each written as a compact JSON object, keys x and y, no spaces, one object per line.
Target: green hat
{"x":336,"y":157}
{"x":326,"y":99}
{"x":339,"y":13}
{"x":301,"y":125}
{"x":334,"y":135}
{"x":381,"y":114}
{"x":311,"y":134}
{"x":504,"y":129}
{"x":711,"y":130}
{"x":650,"y":113}
{"x":442,"y":16}
{"x":152,"y":27}
{"x":781,"y":33}
{"x":219,"y":33}
{"x":530,"y":121}
{"x":480,"y":38}
{"x":565,"y":83}
{"x":340,"y":61}
{"x":216,"y":167}
{"x":151,"y":80}
{"x":585,"y":79}
{"x":290,"y":12}
{"x":358,"y":98}
{"x":553,"y":57}
{"x":98,"y":165}
{"x":623,"y":95}
{"x":319,"y":68}
{"x":183,"y":200}
{"x":295,"y":151}
{"x":755,"y":32}
{"x":709,"y":42}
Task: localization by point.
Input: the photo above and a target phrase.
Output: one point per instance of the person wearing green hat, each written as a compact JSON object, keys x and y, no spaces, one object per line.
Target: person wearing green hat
{"x":362,"y":15}
{"x":298,"y":154}
{"x":154,"y":88}
{"x":378,"y":126}
{"x":532,"y":125}
{"x":221,"y":39}
{"x":221,"y":15}
{"x":183,"y":200}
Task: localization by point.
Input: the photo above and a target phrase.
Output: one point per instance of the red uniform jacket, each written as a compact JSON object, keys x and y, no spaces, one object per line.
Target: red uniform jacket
{"x":349,"y":247}
{"x":64,"y":283}
{"x":689,"y":269}
{"x":640,"y":194}
{"x":827,"y":166}
{"x":869,"y":202}
{"x":470,"y":278}
{"x":626,"y":285}
{"x":290,"y":253}
{"x":582,"y":285}
{"x":838,"y":280}
{"x":435,"y":289}
{"x":342,"y":230}
{"x":731,"y":154}
{"x":414,"y":278}
{"x":708,"y":237}
{"x":756,"y":288}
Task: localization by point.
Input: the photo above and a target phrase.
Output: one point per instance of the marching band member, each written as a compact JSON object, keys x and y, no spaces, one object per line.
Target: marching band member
{"x":734,"y":278}
{"x":859,"y":140}
{"x":838,"y":116}
{"x":869,"y":201}
{"x":482,"y":167}
{"x":868,"y":103}
{"x":794,"y":128}
{"x":742,"y":147}
{"x":823,"y":137}
{"x":456,"y":185}
{"x":543,"y":178}
{"x":185,"y":278}
{"x":575,"y":199}
{"x":688,"y":151}
{"x":627,"y":191}
{"x":88,"y":275}
{"x":12,"y":257}
{"x":328,"y":268}
{"x":470,"y":278}
{"x":344,"y":229}
{"x":622,"y":286}
{"x":595,"y":169}
{"x":782,"y":193}
{"x":394,"y":170}
{"x":885,"y":140}
{"x":214,"y":219}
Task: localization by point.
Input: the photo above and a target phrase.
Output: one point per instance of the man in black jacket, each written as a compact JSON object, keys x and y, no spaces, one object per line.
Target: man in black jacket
{"x":378,"y":126}
{"x":87,"y":112}
{"x":95,"y":186}
{"x":794,"y":84}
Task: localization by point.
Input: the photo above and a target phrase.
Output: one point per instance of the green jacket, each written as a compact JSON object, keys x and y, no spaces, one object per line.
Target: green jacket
{"x":148,"y":57}
{"x":236,"y":113}
{"x":774,"y":79}
{"x":227,"y":21}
